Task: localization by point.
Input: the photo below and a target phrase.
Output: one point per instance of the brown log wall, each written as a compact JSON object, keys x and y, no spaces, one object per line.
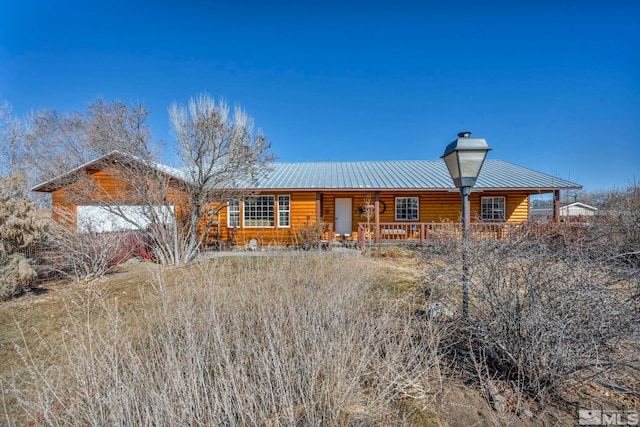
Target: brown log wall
{"x":433,"y":207}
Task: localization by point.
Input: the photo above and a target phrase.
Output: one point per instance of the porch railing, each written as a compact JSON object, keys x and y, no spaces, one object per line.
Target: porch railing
{"x":420,"y":232}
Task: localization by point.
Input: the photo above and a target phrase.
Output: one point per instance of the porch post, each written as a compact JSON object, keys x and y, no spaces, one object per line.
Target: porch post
{"x":556,"y":206}
{"x":377,"y":217}
{"x":318,"y":207}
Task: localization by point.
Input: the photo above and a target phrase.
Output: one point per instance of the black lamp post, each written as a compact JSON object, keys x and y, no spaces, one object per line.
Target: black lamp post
{"x":464,"y":158}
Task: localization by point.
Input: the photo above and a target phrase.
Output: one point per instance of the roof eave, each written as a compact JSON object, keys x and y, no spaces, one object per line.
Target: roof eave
{"x":63,"y":179}
{"x":58,"y":181}
{"x":529,"y":189}
{"x":435,"y":189}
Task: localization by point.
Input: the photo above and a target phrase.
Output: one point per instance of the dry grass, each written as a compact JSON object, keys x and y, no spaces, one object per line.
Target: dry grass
{"x":269,"y":341}
{"x":327,"y":340}
{"x":35,"y":324}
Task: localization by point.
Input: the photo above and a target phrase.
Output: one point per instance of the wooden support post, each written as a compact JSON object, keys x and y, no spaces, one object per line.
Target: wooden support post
{"x":377,"y":218}
{"x":556,"y":206}
{"x":318,"y":207}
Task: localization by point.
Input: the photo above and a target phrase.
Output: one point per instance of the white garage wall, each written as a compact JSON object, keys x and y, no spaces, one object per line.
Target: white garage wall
{"x":99,"y":219}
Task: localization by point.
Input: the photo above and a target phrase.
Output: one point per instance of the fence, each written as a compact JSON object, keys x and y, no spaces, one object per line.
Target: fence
{"x":421,"y":232}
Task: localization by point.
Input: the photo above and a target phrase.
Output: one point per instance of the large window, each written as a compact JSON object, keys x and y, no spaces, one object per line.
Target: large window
{"x":259,"y":212}
{"x":407,"y":208}
{"x":493,"y":209}
{"x":284,"y":212}
{"x":233,"y":214}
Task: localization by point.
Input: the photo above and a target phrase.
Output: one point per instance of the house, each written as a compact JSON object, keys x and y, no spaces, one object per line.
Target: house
{"x":577,"y":211}
{"x":383,"y":200}
{"x":572,"y":212}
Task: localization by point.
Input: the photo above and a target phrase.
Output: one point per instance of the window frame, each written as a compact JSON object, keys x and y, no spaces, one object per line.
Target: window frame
{"x":251,"y":222}
{"x":417,"y":208}
{"x":236,"y":212}
{"x":281,"y":211}
{"x":493,"y":209}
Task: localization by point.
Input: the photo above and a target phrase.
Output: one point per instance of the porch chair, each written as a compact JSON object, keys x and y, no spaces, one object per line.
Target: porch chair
{"x":251,"y":246}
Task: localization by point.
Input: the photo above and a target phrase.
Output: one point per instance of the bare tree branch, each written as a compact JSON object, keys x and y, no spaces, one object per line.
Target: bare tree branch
{"x":221,"y":157}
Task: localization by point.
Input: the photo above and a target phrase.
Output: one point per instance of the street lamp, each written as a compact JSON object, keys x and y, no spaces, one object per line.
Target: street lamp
{"x":464,"y":158}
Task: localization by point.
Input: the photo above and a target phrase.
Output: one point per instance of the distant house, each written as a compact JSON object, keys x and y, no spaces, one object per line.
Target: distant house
{"x":577,"y":209}
{"x":406,"y":197}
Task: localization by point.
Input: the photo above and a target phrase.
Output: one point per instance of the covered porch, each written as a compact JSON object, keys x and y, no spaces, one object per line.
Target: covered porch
{"x":421,"y":232}
{"x":438,"y":217}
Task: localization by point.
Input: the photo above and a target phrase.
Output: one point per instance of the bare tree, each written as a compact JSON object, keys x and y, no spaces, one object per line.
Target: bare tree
{"x":11,"y":150}
{"x":221,"y":156}
{"x":115,"y":126}
{"x":54,"y":143}
{"x":367,"y":210}
{"x":142,"y":195}
{"x":219,"y":150}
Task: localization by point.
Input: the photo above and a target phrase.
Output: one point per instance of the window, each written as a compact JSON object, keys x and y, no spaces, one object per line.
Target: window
{"x":233,"y":214}
{"x":406,"y":208}
{"x":284,"y":213}
{"x":259,"y":212}
{"x":493,"y":209}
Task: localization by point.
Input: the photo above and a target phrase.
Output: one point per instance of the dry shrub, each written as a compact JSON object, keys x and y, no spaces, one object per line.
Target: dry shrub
{"x":545,"y":316}
{"x":16,"y":275}
{"x":625,"y":205}
{"x":281,"y":341}
{"x":309,"y":235}
{"x":548,"y":317}
{"x":84,"y":255}
{"x":615,"y":231}
{"x":19,"y":224}
{"x":19,"y":228}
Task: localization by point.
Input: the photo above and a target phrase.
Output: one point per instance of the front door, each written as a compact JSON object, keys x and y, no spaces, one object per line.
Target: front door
{"x":343,"y":216}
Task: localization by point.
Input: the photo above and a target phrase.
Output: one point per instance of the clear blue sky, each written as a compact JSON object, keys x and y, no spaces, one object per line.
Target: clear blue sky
{"x":551,"y":85}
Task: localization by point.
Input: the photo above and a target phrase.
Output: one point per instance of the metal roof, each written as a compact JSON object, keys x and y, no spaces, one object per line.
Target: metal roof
{"x":412,"y":174}
{"x":371,"y":175}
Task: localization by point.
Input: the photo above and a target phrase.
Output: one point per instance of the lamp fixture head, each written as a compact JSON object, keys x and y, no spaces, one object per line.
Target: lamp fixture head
{"x":464,"y":158}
